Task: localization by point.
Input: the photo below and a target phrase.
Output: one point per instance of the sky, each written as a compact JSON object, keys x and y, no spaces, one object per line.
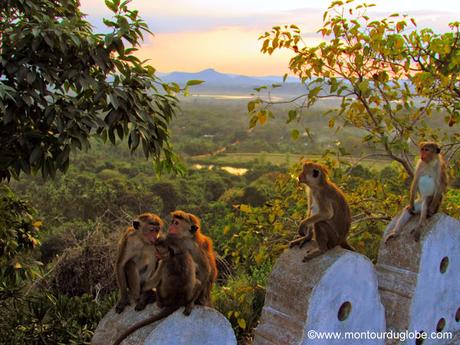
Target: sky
{"x":193,"y":35}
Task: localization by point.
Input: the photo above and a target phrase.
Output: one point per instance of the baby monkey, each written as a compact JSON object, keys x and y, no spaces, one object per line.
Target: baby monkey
{"x":328,"y":217}
{"x":430,"y":181}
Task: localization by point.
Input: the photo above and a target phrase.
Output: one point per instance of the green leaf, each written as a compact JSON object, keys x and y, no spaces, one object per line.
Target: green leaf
{"x":292,"y":115}
{"x":242,"y":323}
{"x":35,"y":155}
{"x":295,"y":134}
{"x":194,"y":82}
{"x":111,"y":5}
{"x":251,"y":106}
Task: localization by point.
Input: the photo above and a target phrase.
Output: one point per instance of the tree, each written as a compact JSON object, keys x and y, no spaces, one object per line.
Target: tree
{"x":61,"y":84}
{"x":389,"y":78}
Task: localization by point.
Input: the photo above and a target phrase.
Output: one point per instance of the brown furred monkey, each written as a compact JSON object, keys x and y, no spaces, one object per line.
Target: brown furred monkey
{"x":136,"y":260}
{"x":430,"y":181}
{"x":328,"y":217}
{"x":188,"y":226}
{"x":175,"y":281}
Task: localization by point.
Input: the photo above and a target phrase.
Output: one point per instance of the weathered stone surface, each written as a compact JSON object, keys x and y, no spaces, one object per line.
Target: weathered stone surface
{"x":307,"y":296}
{"x":204,"y":326}
{"x":420,"y":281}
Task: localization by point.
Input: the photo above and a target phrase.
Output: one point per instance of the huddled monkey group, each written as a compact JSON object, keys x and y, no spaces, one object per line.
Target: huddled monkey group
{"x":175,"y":270}
{"x":178,"y":269}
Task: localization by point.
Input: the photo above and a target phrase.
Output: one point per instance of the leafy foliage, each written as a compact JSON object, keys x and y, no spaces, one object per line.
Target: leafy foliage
{"x":18,"y":237}
{"x":46,"y":318}
{"x":389,"y":78}
{"x":60,"y":83}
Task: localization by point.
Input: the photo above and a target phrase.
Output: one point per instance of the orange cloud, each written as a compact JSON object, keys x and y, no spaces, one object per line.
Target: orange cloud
{"x":230,"y":50}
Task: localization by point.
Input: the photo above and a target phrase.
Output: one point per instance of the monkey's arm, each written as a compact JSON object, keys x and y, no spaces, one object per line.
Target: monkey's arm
{"x":154,"y":280}
{"x":326,"y":212}
{"x":439,"y":192}
{"x":122,"y":260}
{"x":413,"y":189}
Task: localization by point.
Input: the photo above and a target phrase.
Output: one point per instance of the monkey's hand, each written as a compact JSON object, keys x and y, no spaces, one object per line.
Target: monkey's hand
{"x":303,"y":228}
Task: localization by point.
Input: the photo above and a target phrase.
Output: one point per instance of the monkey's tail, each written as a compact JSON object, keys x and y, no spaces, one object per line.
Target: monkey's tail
{"x":345,"y":245}
{"x":165,"y":312}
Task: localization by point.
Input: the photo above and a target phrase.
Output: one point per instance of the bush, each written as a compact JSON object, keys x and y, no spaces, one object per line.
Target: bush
{"x":87,"y":268}
{"x":241,"y":300}
{"x":46,"y":318}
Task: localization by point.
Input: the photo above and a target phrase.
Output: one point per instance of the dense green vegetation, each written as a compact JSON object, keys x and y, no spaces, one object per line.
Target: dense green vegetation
{"x":58,"y":236}
{"x":78,"y":218}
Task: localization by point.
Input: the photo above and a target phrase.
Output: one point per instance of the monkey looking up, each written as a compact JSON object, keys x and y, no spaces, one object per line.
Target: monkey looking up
{"x":188,"y":226}
{"x":430,"y":181}
{"x":175,"y":281}
{"x":136,"y":260}
{"x":328,"y":217}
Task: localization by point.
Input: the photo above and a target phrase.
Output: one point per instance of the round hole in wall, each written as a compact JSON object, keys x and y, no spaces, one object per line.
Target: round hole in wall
{"x":344,"y":311}
{"x":441,"y":324}
{"x":444,"y":264}
{"x":419,"y":340}
{"x":457,"y":315}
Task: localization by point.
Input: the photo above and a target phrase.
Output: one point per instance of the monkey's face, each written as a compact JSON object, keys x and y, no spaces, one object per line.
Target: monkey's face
{"x":178,"y":227}
{"x":427,"y":153}
{"x":150,"y":229}
{"x":312,"y":174}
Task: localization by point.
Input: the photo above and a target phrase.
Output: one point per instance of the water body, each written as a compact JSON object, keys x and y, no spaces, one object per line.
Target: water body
{"x":229,"y":169}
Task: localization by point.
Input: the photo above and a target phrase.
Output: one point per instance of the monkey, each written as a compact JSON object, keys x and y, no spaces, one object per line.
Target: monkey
{"x":328,"y":216}
{"x":430,"y":181}
{"x":136,"y":260}
{"x":188,"y":226}
{"x":175,"y":281}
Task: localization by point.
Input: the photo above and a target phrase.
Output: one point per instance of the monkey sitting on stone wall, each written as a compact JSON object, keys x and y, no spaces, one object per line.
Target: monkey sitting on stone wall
{"x":328,"y":218}
{"x":430,"y":181}
{"x":136,"y":260}
{"x":175,"y":281}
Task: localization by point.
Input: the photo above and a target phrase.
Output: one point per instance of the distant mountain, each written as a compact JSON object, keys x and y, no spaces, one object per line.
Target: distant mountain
{"x":211,"y":76}
{"x":216,"y":82}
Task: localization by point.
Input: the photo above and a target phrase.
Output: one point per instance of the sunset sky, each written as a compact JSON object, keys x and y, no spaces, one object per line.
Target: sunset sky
{"x":194,"y":35}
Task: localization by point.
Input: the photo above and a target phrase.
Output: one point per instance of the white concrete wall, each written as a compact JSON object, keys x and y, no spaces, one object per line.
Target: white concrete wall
{"x":350,"y":279}
{"x":437,"y":295}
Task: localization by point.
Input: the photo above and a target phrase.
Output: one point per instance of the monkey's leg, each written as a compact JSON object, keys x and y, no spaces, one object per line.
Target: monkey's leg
{"x":123,"y":301}
{"x":145,"y":298}
{"x":402,"y":220}
{"x":192,"y":297}
{"x":134,"y":280}
{"x":322,"y":239}
{"x":434,"y":202}
{"x":422,"y":220}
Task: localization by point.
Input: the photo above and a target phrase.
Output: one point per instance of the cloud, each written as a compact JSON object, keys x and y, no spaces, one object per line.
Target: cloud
{"x":192,"y":36}
{"x":230,"y":50}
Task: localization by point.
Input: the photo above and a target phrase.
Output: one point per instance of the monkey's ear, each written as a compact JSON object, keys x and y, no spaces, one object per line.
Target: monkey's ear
{"x":438,"y":150}
{"x":136,"y":224}
{"x":193,"y":228}
{"x":315,"y":172}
